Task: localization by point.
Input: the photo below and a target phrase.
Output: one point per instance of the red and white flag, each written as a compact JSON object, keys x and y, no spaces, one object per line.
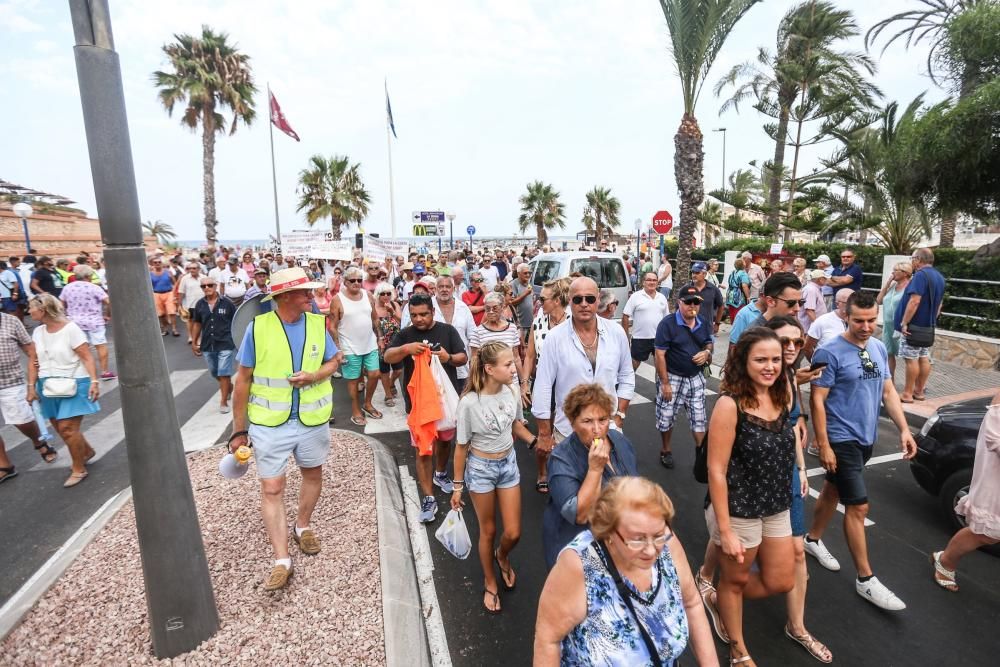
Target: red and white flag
{"x":278,"y":118}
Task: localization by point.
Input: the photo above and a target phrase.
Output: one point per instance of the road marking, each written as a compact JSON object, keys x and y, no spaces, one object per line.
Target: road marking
{"x":875,"y":460}
{"x":205,"y":427}
{"x":106,"y":434}
{"x":433,"y":622}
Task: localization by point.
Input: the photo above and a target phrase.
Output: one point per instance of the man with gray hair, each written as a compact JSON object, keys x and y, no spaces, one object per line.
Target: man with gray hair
{"x":916,"y":317}
{"x":458,"y":274}
{"x":523,"y":301}
{"x":607,"y":305}
{"x":756,"y":273}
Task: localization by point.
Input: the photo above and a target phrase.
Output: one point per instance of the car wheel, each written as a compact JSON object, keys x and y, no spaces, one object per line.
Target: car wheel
{"x":954,"y":489}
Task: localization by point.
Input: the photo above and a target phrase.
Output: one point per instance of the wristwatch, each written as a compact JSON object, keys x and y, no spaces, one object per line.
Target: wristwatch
{"x":619,"y":413}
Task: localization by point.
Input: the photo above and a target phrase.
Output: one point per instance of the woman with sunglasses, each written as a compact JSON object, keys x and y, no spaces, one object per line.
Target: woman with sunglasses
{"x":248,"y":264}
{"x":621,"y":593}
{"x":476,"y":296}
{"x":336,"y":281}
{"x":792,"y":340}
{"x":389,"y":315}
{"x":751,"y":451}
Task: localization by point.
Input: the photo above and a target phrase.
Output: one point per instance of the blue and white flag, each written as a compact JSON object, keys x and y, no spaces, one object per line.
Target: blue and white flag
{"x":388,"y":112}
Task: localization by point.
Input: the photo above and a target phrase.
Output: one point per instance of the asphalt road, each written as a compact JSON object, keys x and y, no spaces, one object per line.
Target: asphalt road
{"x":937,"y":627}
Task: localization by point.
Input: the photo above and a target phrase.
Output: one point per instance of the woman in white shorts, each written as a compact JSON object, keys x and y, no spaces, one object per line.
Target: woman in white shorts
{"x":749,"y":477}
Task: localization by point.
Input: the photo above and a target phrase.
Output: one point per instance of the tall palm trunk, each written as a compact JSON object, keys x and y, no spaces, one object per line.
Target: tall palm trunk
{"x":335,"y":227}
{"x":208,"y":177}
{"x":543,"y":237}
{"x":777,"y":168}
{"x":689,"y":162}
{"x":948,"y":222}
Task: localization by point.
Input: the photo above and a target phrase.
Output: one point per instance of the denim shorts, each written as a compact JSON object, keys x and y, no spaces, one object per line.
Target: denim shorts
{"x":849,"y":478}
{"x":220,"y":364}
{"x":485,"y":475}
{"x":797,"y":510}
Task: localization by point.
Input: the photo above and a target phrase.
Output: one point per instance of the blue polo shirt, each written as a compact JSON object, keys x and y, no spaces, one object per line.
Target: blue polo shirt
{"x":744,"y":318}
{"x":856,"y":274}
{"x":926,"y":282}
{"x":681,"y":343}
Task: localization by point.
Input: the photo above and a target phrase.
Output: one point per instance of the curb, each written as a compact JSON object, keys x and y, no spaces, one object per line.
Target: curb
{"x":42,"y":580}
{"x":406,"y":642}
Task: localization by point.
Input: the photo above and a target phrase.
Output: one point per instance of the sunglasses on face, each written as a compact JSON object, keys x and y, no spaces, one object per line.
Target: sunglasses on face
{"x":791,"y":302}
{"x":797,"y":342}
{"x":691,"y":302}
{"x":589,"y":298}
{"x":543,"y":299}
{"x":477,"y":280}
{"x":208,"y":286}
{"x":356,"y":281}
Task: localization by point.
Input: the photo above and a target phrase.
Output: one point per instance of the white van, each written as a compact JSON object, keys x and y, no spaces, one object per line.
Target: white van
{"x":608,"y":269}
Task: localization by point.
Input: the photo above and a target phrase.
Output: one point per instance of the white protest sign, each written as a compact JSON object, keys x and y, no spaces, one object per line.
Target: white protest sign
{"x":377,"y":250}
{"x":343,"y":250}
{"x":776,"y":248}
{"x":299,"y":243}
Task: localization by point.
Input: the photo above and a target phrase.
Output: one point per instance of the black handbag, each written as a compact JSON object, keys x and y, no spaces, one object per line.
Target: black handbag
{"x":921,"y":336}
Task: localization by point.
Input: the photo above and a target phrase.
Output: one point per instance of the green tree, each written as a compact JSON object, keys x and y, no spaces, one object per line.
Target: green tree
{"x":540,"y":206}
{"x":163,"y":232}
{"x":743,"y":191}
{"x":602,"y":212}
{"x":807,"y":78}
{"x":209,"y":76}
{"x":710,"y":215}
{"x":332,"y":188}
{"x":698,"y":30}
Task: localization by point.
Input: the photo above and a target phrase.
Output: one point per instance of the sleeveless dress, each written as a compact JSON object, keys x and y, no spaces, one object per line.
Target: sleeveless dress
{"x":981,"y":507}
{"x":608,"y":635}
{"x":889,"y":305}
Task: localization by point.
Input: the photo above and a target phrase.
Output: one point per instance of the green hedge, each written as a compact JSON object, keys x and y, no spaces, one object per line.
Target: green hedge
{"x":951,"y":262}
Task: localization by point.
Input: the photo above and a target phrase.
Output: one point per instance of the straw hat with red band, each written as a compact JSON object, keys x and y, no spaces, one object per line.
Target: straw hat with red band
{"x":287,"y":280}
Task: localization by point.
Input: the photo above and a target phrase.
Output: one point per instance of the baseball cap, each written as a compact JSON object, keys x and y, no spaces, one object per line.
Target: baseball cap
{"x":690,"y":293}
{"x":816,"y":274}
{"x":260,"y":272}
{"x":823,"y":258}
{"x":698,"y":267}
{"x":419,"y":268}
{"x":233,"y":259}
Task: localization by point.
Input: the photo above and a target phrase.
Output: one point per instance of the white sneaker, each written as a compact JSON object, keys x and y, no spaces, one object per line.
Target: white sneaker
{"x":880,"y":596}
{"x":819,"y":551}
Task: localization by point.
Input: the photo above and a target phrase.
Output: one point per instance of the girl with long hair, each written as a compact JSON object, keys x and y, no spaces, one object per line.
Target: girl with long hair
{"x":751,"y":451}
{"x":485,"y":462}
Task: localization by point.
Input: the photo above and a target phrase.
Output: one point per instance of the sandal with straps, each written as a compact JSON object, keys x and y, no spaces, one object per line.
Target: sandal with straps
{"x":45,"y":451}
{"x":740,"y":660}
{"x":943,"y":577}
{"x":496,"y":601}
{"x":815,"y":647}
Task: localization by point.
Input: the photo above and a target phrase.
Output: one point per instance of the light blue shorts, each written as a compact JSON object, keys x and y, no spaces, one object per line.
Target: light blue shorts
{"x":353,"y":364}
{"x":485,"y":475}
{"x":272,"y":445}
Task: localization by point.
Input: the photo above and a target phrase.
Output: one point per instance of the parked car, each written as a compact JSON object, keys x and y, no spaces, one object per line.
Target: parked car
{"x":607,"y":269}
{"x":946,"y":451}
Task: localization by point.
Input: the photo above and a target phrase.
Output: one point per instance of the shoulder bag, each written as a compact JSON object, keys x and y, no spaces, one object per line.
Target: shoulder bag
{"x":923,"y":336}
{"x":59,"y":387}
{"x":626,"y":597}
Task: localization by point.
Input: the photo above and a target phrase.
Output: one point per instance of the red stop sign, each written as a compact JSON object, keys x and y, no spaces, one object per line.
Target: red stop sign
{"x":662,"y":222}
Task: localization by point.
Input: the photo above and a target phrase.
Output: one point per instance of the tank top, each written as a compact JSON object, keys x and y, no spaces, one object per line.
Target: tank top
{"x":356,"y":333}
{"x":760,"y":467}
{"x":161,"y":283}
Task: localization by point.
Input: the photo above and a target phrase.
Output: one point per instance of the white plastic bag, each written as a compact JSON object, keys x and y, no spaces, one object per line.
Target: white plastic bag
{"x":454,"y":535}
{"x":447,"y":395}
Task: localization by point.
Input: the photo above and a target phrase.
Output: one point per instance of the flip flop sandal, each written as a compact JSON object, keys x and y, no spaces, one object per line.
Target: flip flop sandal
{"x":8,"y":473}
{"x":358,"y":421}
{"x":373,"y":413}
{"x":943,"y":577}
{"x":815,"y":647}
{"x":906,"y":400}
{"x":496,"y":600}
{"x":919,"y":398}
{"x":505,"y":573}
{"x":390,"y":403}
{"x":45,"y":451}
{"x":542,"y":487}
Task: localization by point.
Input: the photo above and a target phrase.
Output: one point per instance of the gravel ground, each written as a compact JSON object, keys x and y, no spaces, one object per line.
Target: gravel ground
{"x":330,"y":613}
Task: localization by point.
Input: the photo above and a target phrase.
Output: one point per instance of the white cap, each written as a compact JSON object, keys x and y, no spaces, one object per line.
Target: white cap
{"x":823,"y":258}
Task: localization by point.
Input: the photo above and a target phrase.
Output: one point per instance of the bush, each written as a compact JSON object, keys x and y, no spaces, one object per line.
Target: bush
{"x":956,"y":266}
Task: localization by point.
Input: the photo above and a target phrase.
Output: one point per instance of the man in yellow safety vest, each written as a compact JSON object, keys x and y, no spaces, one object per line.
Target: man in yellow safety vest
{"x":282,"y":404}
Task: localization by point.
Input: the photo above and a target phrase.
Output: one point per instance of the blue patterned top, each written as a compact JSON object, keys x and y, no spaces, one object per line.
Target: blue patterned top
{"x":608,"y":635}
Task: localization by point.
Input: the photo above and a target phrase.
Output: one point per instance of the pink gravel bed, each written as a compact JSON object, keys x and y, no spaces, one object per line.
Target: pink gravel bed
{"x":330,"y":613}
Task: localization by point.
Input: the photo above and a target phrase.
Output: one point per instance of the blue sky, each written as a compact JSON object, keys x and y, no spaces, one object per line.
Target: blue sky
{"x":486,"y":96}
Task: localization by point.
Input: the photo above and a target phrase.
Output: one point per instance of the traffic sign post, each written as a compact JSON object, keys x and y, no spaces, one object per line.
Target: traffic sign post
{"x":471,"y":229}
{"x":663,"y":222}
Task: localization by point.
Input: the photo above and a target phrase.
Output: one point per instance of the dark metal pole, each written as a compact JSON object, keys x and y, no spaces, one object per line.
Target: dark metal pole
{"x":27,"y":238}
{"x":179,"y":594}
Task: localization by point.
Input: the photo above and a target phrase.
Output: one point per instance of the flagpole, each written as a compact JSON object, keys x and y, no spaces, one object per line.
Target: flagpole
{"x":388,"y":145}
{"x":274,"y":177}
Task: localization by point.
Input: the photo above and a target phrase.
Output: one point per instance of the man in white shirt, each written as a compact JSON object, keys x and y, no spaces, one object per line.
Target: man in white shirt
{"x":756,"y":273}
{"x":583,"y":349}
{"x":812,"y":293}
{"x":824,"y":265}
{"x":233,"y":281}
{"x":215,"y":273}
{"x":644,"y":309}
{"x":490,"y":275}
{"x":828,"y":326}
{"x":25,"y":270}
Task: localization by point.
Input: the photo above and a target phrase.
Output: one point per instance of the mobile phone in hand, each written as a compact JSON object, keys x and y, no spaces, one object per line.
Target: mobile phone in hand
{"x":819,"y":365}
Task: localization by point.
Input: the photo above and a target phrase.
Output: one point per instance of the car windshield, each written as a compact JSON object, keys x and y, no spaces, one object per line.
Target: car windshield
{"x":606,"y":271}
{"x":544,"y":272}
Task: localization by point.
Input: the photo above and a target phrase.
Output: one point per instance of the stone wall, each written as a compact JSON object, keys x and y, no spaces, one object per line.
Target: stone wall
{"x":57,"y":234}
{"x":966,"y":350}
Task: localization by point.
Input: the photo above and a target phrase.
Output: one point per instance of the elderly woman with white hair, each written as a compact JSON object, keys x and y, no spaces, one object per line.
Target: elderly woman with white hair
{"x":88,"y":306}
{"x":495,"y":328}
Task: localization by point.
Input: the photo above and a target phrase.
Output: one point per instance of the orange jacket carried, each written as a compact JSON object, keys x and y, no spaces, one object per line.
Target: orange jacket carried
{"x":425,"y":404}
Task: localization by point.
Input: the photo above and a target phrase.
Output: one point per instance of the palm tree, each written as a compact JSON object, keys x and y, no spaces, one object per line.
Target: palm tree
{"x":163,"y":232}
{"x":710,"y":215}
{"x":332,"y":188}
{"x":541,"y":207}
{"x":698,"y":29}
{"x":804,"y":79}
{"x":603,"y":211}
{"x":743,"y":190}
{"x":208,"y":74}
{"x":930,"y":21}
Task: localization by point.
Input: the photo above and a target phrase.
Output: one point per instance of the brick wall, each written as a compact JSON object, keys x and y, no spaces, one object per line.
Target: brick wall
{"x":57,"y":234}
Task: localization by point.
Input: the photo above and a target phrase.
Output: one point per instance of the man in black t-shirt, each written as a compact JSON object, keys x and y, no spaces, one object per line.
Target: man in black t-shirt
{"x":444,"y":340}
{"x":45,"y":278}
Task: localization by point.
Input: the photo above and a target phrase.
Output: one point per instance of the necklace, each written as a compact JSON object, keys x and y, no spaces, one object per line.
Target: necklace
{"x":593,"y":343}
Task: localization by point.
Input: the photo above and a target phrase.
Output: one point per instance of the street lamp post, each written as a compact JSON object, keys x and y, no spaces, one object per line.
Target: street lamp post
{"x":723,"y":130}
{"x":23,"y":210}
{"x":451,"y":227}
